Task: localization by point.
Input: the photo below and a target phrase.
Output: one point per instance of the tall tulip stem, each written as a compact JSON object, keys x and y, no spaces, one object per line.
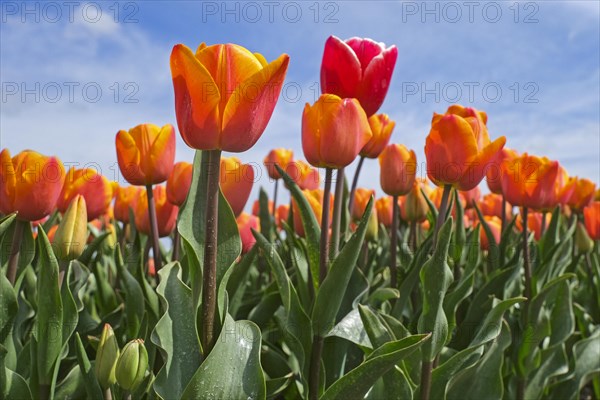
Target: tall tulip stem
{"x":153,"y":227}
{"x":502,"y":228}
{"x":442,"y":212}
{"x":394,"y":244}
{"x":355,"y":182}
{"x":274,"y":210}
{"x":15,"y":250}
{"x":543,"y":226}
{"x":337,"y":214}
{"x":325,"y":227}
{"x":209,"y":282}
{"x":176,"y":245}
{"x":521,"y":382}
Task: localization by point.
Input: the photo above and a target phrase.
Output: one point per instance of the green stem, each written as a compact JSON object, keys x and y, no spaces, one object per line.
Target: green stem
{"x":442,"y":212}
{"x":153,"y":228}
{"x":176,"y":245}
{"x":337,"y":214}
{"x":426,"y":369}
{"x":315,"y":367}
{"x":209,"y":282}
{"x":543,"y":225}
{"x":522,"y":381}
{"x":394,"y":244}
{"x":355,"y":183}
{"x":502,"y":229}
{"x":274,"y":211}
{"x":15,"y":251}
{"x":325,"y":227}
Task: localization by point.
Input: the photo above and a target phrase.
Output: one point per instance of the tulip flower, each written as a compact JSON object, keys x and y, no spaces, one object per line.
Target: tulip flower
{"x":493,"y":174}
{"x":491,"y":205}
{"x":281,"y":157}
{"x":95,"y":188}
{"x":470,"y":196}
{"x":256,"y":208}
{"x":415,"y":207}
{"x":166,"y":213}
{"x":591,"y":216}
{"x":495,"y":225}
{"x":224,"y":95}
{"x":107,"y":355}
{"x":583,"y":194}
{"x":236,"y":181}
{"x":315,"y":200}
{"x":358,"y":68}
{"x":334,"y":130}
{"x":71,"y":235}
{"x":179,"y":182}
{"x":246,"y":222}
{"x":528,"y":181}
{"x":146,"y":153}
{"x":534,"y":222}
{"x":282,"y":214}
{"x":384,"y":209}
{"x":361,"y":199}
{"x":132,"y":365}
{"x":30,"y":184}
{"x":305,"y":176}
{"x":583,"y":242}
{"x":398,"y":169}
{"x":124,"y":201}
{"x":597,"y":195}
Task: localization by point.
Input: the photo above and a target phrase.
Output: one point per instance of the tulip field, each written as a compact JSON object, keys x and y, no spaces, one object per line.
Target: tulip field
{"x":478,"y":279}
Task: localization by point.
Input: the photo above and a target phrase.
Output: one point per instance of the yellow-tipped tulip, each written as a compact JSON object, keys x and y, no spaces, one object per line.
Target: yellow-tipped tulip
{"x":71,"y":235}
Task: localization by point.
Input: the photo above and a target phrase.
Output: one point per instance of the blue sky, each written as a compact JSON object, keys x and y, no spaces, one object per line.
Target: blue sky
{"x":533,"y":66}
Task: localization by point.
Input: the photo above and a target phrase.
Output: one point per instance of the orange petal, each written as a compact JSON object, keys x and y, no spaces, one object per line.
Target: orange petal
{"x":476,"y":170}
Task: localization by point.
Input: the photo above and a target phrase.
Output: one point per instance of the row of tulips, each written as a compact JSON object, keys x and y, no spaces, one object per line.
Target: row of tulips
{"x":416,"y":294}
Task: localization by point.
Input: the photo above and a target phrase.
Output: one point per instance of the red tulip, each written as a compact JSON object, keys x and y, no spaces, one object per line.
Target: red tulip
{"x":493,"y":174}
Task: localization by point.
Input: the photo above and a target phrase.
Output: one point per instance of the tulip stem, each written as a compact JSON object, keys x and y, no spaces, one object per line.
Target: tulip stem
{"x":502,"y":228}
{"x":325,"y":227}
{"x":413,"y":236}
{"x":107,"y":394}
{"x":176,"y":245}
{"x":521,"y":382}
{"x":273,"y":211}
{"x":209,"y":282}
{"x":337,"y":214}
{"x":153,"y":227}
{"x":426,"y":370}
{"x":355,"y":183}
{"x":442,"y":212}
{"x":394,"y":244}
{"x":44,"y":391}
{"x":123,"y":240}
{"x":15,"y":250}
{"x":543,"y":227}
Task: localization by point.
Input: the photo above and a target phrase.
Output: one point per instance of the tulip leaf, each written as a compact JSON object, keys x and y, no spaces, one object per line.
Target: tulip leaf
{"x":175,"y":334}
{"x":134,"y":297}
{"x":351,"y":328}
{"x":436,"y":278}
{"x":553,"y":362}
{"x":331,"y":293}
{"x":50,"y":311}
{"x":265,"y":216}
{"x":459,"y":237}
{"x":70,"y":313}
{"x":356,"y":383}
{"x":494,"y":250}
{"x":6,"y":222}
{"x":8,"y":307}
{"x":27,"y":249}
{"x":12,"y":385}
{"x":311,"y":226}
{"x":92,"y":388}
{"x":232,"y":370}
{"x":90,"y":249}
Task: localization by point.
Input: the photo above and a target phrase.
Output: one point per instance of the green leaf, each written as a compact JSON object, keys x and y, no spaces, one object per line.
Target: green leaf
{"x":553,"y":362}
{"x":494,"y":250}
{"x":311,"y":226}
{"x":436,"y":278}
{"x":8,"y":307}
{"x":91,"y":248}
{"x":27,"y":250}
{"x":6,"y":221}
{"x":175,"y":334}
{"x":232,"y":370}
{"x":72,"y":386}
{"x":352,"y":329}
{"x":50,"y":311}
{"x":264,"y":215}
{"x":460,"y":237}
{"x":92,"y":388}
{"x":375,"y":328}
{"x":12,"y":385}
{"x":330,"y":294}
{"x":356,"y":383}
{"x":134,"y":298}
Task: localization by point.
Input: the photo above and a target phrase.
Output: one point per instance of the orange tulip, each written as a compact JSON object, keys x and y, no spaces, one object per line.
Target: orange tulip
{"x":281,"y":214}
{"x":564,"y":186}
{"x":597,"y":195}
{"x":528,"y":181}
{"x":414,"y":206}
{"x":361,"y":199}
{"x":334,"y":130}
{"x":281,"y":157}
{"x":491,"y":205}
{"x":245,"y":223}
{"x":305,"y":176}
{"x":493,"y":174}
{"x":166,"y":213}
{"x":179,"y":182}
{"x":384,"y":209}
{"x":315,"y":199}
{"x":146,"y":153}
{"x":534,"y":222}
{"x":95,"y":188}
{"x":236,"y":181}
{"x":224,"y":95}
{"x":398,"y":169}
{"x":495,"y":225}
{"x":582,"y":195}
{"x":381,"y":128}
{"x":471,"y":196}
{"x":591,"y":216}
{"x":458,"y":148}
{"x":124,"y":200}
{"x":30,"y":184}
{"x":256,"y":208}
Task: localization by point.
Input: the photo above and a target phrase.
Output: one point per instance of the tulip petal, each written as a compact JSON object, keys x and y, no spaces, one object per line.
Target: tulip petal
{"x":128,"y":156}
{"x":376,"y":80}
{"x":479,"y":164}
{"x":8,"y":182}
{"x":340,"y":70}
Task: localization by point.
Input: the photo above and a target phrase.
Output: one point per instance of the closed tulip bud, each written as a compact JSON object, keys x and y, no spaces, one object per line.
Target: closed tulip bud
{"x":124,"y":201}
{"x":493,"y":174}
{"x":334,"y":130}
{"x":381,"y":128}
{"x":384,"y":209}
{"x":591,"y":216}
{"x":146,"y":153}
{"x":132,"y":365}
{"x":245,"y":223}
{"x":166,"y":213}
{"x":305,"y":176}
{"x":583,"y":194}
{"x":71,"y":235}
{"x":415,"y":207}
{"x":224,"y":95}
{"x":179,"y":182}
{"x":458,"y":148}
{"x":398,"y":169}
{"x":315,"y":200}
{"x":281,"y":157}
{"x":236,"y":182}
{"x":30,"y":184}
{"x":582,"y":240}
{"x":495,"y":225}
{"x":372,"y":227}
{"x":95,"y":188}
{"x":107,"y":355}
{"x":361,"y":199}
{"x":358,"y":68}
{"x":528,"y":181}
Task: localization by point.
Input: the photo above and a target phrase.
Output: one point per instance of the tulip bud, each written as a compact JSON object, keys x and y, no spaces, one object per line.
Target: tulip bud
{"x":132,"y":365}
{"x":71,"y":234}
{"x":372,"y":227}
{"x":583,"y":241}
{"x":106,"y":357}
